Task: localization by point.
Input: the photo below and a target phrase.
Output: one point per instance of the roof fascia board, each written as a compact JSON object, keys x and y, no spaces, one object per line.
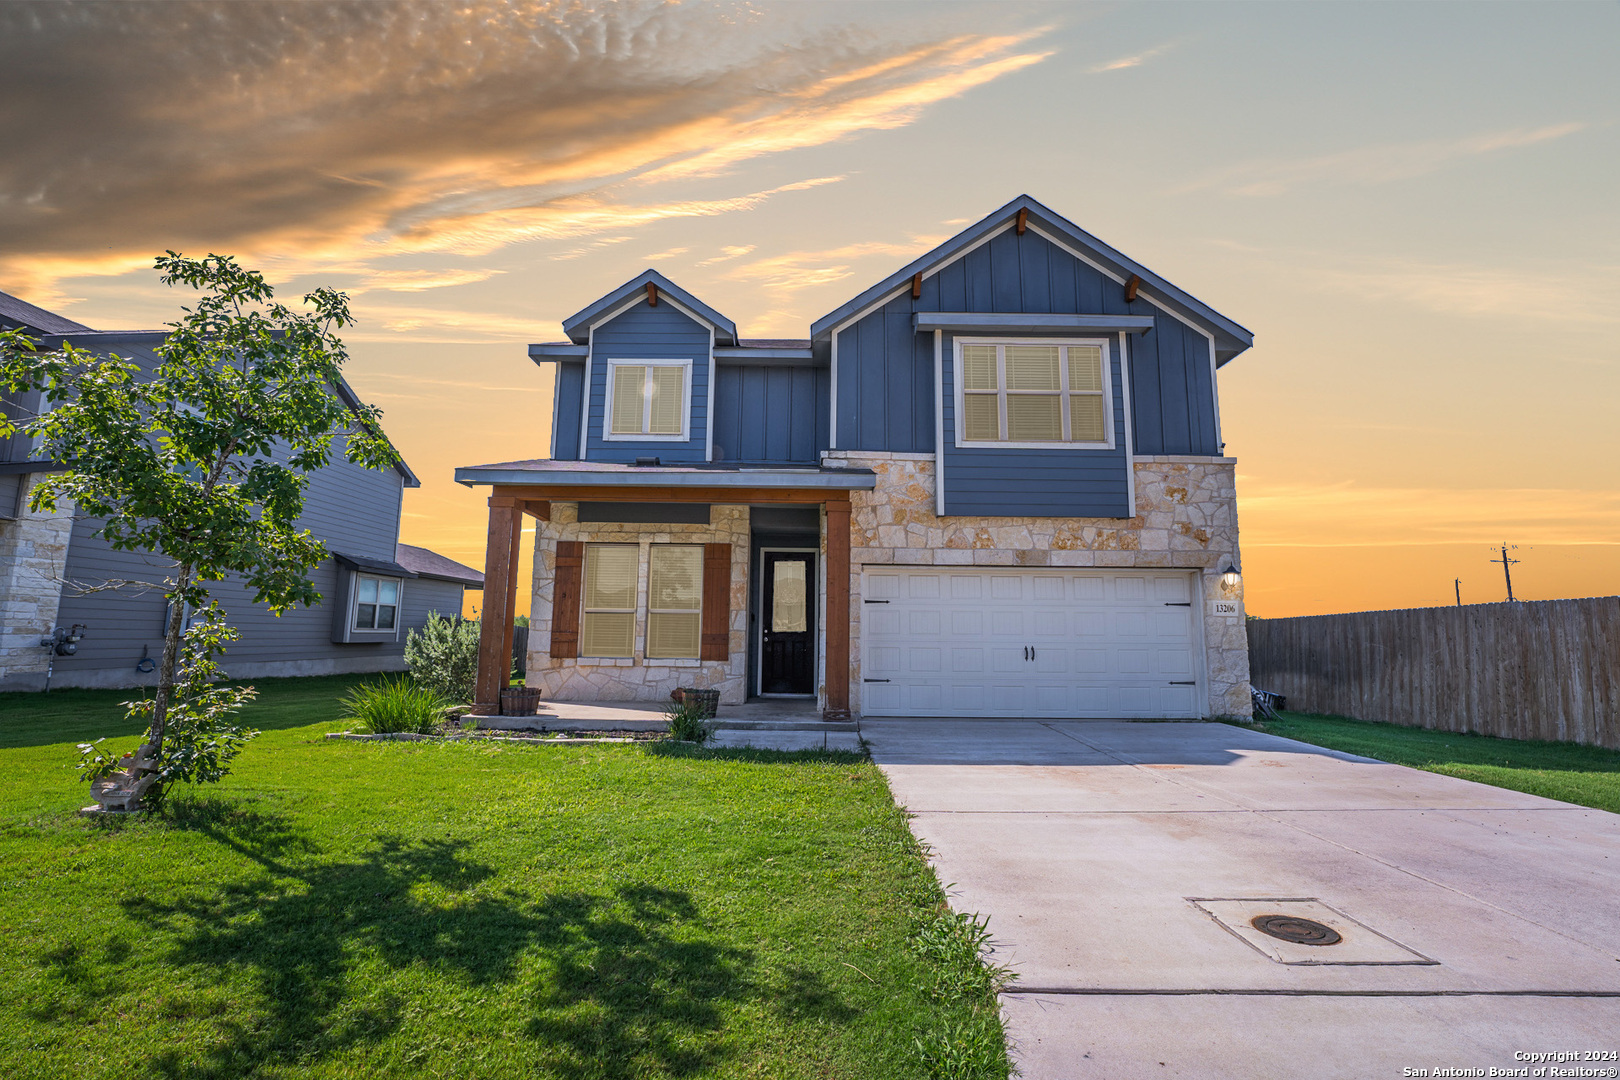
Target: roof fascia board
{"x":726,"y":357}
{"x":843,"y":480}
{"x":954,"y":321}
{"x":551,"y":352}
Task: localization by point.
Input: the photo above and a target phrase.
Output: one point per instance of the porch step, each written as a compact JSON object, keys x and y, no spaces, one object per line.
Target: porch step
{"x":552,"y":722}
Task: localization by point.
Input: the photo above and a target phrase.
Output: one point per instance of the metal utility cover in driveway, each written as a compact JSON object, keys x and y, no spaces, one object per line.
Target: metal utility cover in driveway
{"x":1357,"y":944}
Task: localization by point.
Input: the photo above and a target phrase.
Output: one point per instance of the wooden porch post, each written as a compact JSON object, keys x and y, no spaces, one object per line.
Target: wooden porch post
{"x":838,"y":672}
{"x":500,"y":596}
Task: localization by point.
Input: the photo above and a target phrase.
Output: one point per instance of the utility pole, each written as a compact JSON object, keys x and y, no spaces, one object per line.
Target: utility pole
{"x":1507,"y":563}
{"x":1457,"y":584}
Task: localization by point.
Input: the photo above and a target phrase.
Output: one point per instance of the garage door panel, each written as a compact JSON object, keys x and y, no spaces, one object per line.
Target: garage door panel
{"x":1006,"y":642}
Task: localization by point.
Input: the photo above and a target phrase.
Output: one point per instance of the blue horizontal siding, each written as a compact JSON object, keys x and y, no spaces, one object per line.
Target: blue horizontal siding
{"x":1018,"y":482}
{"x":650,"y":333}
{"x":770,"y":413}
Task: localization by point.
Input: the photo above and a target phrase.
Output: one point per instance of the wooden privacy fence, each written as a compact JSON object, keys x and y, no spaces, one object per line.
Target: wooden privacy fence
{"x":1547,"y":669}
{"x":520,"y":650}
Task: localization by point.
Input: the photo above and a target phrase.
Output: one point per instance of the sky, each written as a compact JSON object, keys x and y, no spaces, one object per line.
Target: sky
{"x":1413,"y":207}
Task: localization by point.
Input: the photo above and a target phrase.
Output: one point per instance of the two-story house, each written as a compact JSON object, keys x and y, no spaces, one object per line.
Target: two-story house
{"x":56,"y":569}
{"x":991,"y":484}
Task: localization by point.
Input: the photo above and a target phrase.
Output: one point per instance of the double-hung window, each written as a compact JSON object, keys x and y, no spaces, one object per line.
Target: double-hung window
{"x":648,"y":399}
{"x":609,"y":624}
{"x":674,"y":601}
{"x":1033,"y":393}
{"x":376,"y":602}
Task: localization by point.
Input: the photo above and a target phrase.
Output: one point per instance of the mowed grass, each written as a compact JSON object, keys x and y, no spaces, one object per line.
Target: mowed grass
{"x":1571,"y":772}
{"x":342,"y":909}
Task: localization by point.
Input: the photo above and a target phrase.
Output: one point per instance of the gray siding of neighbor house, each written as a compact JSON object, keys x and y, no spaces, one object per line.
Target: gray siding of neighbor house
{"x":650,"y":333}
{"x":886,"y":393}
{"x":770,"y":413}
{"x":355,"y":510}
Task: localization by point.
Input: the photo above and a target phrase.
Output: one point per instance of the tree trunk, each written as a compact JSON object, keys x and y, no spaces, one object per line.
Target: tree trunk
{"x":171,"y":656}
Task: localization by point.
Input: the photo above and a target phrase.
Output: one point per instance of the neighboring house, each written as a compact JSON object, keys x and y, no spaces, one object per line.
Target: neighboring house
{"x":375,"y":589}
{"x":992,"y":484}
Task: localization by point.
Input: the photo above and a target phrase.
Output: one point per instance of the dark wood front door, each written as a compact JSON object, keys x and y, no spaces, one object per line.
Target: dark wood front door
{"x":787,"y":654}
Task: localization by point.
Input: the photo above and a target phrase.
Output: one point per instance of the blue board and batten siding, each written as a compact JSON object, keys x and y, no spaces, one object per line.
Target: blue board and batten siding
{"x":649,"y":333}
{"x":885,"y":376}
{"x":565,"y":414}
{"x":770,"y":413}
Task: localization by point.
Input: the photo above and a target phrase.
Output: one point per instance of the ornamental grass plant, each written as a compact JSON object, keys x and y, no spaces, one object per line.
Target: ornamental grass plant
{"x":394,"y":706}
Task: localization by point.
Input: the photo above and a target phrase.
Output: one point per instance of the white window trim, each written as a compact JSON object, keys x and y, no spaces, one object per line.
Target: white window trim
{"x":1103,"y":343}
{"x":354,"y":605}
{"x":646,"y":406}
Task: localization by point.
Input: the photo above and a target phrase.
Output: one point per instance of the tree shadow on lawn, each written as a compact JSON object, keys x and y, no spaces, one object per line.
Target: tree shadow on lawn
{"x":616,"y":985}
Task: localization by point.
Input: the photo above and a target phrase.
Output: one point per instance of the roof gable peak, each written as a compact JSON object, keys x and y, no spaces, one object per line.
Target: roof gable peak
{"x":578,"y":325}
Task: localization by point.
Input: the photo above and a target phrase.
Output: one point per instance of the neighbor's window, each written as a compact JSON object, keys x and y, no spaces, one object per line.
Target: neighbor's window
{"x":647,"y":399}
{"x":1017,"y":392}
{"x":675,"y":601}
{"x":609,"y":625}
{"x":376,"y":603}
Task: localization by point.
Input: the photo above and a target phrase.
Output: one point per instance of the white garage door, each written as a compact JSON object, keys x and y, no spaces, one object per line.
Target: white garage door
{"x":1071,"y":643}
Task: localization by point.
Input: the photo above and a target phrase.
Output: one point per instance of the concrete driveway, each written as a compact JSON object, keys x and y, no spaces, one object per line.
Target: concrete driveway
{"x":1121,"y":865}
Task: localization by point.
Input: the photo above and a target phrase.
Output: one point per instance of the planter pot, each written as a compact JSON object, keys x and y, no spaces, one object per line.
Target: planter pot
{"x":520,"y":701}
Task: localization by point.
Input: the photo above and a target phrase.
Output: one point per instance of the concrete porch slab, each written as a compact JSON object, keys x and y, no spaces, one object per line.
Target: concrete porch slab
{"x":759,"y":715}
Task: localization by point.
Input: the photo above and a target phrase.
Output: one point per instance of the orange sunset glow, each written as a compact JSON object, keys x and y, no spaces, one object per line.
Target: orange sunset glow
{"x":1412,"y":208}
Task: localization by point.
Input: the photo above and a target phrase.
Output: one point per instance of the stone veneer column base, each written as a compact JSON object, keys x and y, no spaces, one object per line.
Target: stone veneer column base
{"x":1186,"y":518}
{"x":33,"y":558}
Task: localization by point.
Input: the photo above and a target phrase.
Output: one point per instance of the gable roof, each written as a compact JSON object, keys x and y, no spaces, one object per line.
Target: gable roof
{"x":13,"y":310}
{"x":578,"y":325}
{"x":1230,"y":338}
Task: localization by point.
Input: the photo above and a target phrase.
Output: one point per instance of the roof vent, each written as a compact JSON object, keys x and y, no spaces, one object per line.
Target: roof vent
{"x":647,"y":462}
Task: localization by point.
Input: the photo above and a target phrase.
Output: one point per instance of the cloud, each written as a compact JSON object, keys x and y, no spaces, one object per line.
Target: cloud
{"x":421,"y":280}
{"x":667,"y":253}
{"x":1379,"y":164}
{"x":1136,"y":60}
{"x":352,"y":132}
{"x":729,"y":252}
{"x":805,"y":269}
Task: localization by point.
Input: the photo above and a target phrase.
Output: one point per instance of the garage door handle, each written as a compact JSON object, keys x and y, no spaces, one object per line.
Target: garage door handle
{"x":1189,"y":682}
{"x":874,"y":680}
{"x":1167,"y":604}
{"x":874,"y":601}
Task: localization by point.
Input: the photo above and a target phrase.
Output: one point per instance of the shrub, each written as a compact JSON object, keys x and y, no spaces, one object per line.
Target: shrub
{"x":390,"y":706}
{"x":443,"y":656}
{"x":688,"y":722}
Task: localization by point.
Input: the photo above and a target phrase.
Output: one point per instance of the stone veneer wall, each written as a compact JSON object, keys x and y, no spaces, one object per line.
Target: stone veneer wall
{"x":33,"y":555}
{"x":1186,"y":517}
{"x":637,"y":678}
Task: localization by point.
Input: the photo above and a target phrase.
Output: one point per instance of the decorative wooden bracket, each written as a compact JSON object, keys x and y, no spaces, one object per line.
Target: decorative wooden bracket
{"x":1131,"y":286}
{"x":1023,"y":220}
{"x":652,"y":295}
{"x":539,"y":509}
{"x":916,"y":286}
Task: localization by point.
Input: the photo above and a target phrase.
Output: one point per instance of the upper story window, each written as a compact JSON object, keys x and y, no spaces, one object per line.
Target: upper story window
{"x":376,"y":602}
{"x":648,"y":399}
{"x":1034,"y":394}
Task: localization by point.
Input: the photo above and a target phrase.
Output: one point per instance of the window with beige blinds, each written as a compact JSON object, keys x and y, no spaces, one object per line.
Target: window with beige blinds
{"x":608,"y":627}
{"x":674,"y":601}
{"x":1033,"y":392}
{"x":648,"y":400}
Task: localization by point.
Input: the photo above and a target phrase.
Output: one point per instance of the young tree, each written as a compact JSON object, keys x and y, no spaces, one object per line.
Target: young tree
{"x":204,"y":459}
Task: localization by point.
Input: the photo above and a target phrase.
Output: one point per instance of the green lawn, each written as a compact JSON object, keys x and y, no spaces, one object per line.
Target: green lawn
{"x":427,"y":909}
{"x":1585,"y":775}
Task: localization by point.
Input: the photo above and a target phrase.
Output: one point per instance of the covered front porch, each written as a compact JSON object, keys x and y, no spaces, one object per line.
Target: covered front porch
{"x":648,"y":577}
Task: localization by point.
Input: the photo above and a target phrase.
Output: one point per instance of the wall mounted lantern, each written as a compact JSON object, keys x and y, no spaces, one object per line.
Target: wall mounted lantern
{"x":1230,"y":577}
